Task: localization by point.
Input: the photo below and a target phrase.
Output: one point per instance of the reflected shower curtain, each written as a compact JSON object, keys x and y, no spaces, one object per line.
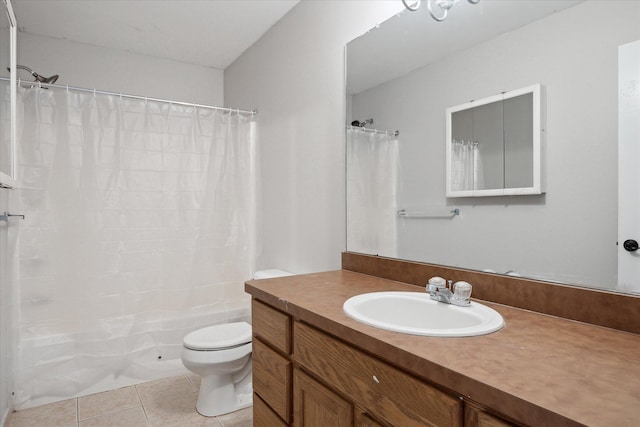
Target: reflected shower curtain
{"x":466,"y":166}
{"x":140,"y":227}
{"x":372,"y":181}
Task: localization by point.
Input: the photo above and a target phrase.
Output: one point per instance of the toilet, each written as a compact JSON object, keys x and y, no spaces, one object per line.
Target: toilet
{"x":221,"y":354}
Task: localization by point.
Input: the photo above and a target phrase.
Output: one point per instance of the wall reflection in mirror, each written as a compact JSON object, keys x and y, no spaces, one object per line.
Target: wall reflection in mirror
{"x":409,"y":70}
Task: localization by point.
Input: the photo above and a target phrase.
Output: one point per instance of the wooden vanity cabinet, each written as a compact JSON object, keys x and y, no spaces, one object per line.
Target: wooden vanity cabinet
{"x":304,"y":377}
{"x":272,"y":367}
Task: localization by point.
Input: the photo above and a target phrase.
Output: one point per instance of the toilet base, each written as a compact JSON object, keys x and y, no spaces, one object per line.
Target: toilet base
{"x":219,"y":395}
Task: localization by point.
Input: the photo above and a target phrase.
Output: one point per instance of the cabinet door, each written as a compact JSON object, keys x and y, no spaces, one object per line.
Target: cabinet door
{"x":314,"y":405}
{"x":475,"y":417}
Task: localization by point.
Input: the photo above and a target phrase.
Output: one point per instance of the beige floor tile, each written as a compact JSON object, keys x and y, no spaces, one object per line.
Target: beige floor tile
{"x":241,"y":418}
{"x":58,"y":414}
{"x":134,"y":417}
{"x":163,"y":403}
{"x":110,"y":401}
{"x":178,"y":412}
{"x":165,"y":389}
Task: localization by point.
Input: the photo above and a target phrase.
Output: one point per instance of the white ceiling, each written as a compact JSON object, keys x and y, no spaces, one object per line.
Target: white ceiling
{"x":209,"y":33}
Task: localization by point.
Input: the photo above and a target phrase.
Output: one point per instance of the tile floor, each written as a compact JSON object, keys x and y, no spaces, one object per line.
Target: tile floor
{"x":163,"y":403}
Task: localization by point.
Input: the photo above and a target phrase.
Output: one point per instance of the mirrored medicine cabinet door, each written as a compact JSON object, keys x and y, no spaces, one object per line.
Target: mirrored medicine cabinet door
{"x":494,"y":145}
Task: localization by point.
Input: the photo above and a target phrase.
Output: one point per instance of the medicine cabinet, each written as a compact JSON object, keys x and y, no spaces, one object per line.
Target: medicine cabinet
{"x":494,"y":145}
{"x":8,"y":34}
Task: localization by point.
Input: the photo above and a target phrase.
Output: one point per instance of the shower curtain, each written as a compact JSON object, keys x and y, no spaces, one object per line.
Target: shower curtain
{"x":141,"y":226}
{"x":372,"y":181}
{"x":467,"y":171}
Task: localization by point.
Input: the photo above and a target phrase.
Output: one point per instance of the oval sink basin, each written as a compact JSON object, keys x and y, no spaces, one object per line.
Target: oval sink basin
{"x":415,"y":313}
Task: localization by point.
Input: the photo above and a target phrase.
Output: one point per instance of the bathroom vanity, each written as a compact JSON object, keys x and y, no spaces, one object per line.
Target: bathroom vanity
{"x":315,"y":366}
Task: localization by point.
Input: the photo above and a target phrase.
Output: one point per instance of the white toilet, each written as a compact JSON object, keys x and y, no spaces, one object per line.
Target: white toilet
{"x":221,"y":354}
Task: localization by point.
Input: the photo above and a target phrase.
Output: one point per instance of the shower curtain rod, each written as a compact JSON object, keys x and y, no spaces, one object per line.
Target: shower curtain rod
{"x":388,"y":132}
{"x":122,"y":95}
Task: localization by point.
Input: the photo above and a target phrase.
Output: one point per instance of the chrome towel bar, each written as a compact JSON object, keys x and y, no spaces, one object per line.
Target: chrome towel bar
{"x":6,"y":215}
{"x":428,"y":214}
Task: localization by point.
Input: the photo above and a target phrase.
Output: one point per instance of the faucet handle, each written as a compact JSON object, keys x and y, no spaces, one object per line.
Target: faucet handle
{"x":436,"y":283}
{"x":462,"y":293}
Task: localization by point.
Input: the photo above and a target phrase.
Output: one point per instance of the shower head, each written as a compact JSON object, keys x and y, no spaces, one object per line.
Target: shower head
{"x":362,"y":123}
{"x":47,"y":80}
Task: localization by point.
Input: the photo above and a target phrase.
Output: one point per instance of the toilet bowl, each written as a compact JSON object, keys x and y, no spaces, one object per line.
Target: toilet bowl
{"x":221,"y":354}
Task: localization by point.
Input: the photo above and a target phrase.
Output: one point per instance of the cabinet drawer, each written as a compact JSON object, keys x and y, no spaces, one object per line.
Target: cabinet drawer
{"x":272,"y":379}
{"x":272,"y":326}
{"x":263,"y":416}
{"x":388,"y":393}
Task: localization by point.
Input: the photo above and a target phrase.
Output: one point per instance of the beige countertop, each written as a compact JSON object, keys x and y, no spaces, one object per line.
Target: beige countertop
{"x":538,"y":369}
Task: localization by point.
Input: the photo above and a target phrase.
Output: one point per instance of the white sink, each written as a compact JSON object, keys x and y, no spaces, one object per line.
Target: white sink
{"x":415,"y":313}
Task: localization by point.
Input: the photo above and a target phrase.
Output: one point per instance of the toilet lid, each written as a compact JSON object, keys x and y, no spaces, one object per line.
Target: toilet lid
{"x":219,"y":336}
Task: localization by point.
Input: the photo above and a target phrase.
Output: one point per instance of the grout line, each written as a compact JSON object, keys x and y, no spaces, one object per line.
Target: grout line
{"x":193,"y":384}
{"x":138,"y":394}
{"x":144,"y":409}
{"x":146,"y":416}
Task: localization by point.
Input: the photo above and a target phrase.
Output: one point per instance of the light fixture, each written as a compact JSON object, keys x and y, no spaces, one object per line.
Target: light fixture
{"x":444,"y":6}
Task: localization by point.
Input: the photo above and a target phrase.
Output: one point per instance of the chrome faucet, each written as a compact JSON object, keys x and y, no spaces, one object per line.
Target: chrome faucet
{"x":448,"y":293}
{"x":439,"y":290}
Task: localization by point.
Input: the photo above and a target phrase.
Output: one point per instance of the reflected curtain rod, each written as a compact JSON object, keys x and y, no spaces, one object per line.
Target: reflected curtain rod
{"x":363,"y":129}
{"x":122,"y":95}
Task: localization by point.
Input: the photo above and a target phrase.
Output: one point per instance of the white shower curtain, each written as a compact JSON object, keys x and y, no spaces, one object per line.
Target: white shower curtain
{"x":372,"y":181}
{"x":467,"y":171}
{"x":140,"y":227}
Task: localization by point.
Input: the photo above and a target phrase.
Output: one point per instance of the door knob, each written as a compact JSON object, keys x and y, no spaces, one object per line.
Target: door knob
{"x":630,"y":245}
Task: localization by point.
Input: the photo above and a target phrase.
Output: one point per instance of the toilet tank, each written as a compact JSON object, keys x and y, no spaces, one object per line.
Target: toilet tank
{"x":270,"y":274}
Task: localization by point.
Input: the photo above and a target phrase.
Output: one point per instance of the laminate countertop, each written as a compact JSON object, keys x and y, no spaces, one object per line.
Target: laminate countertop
{"x":538,"y":369}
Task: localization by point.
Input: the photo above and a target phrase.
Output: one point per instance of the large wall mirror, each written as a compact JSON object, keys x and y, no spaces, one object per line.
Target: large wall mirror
{"x":406,"y":72}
